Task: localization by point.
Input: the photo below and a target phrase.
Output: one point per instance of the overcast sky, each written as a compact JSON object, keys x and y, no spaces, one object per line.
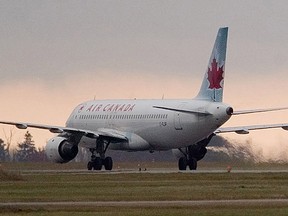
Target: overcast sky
{"x":54,"y":54}
{"x":54,"y":39}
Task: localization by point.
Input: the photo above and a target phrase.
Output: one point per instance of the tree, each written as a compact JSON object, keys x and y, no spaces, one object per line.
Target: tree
{"x":8,"y":140}
{"x":40,"y":155}
{"x":4,"y":155}
{"x":26,"y":150}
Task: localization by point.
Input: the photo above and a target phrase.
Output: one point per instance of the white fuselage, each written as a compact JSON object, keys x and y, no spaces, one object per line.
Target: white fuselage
{"x":147,"y":127}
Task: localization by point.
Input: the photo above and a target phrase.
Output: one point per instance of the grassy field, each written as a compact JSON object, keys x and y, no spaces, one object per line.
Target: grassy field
{"x":23,"y":186}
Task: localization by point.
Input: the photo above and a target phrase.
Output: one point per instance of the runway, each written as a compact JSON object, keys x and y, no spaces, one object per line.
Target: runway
{"x":151,"y":171}
{"x":191,"y":203}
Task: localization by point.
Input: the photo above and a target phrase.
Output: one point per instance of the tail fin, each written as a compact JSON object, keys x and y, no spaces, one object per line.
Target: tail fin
{"x":213,"y":82}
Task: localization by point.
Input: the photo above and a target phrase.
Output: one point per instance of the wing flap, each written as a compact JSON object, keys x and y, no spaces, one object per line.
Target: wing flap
{"x":112,"y":133}
{"x":285,"y":127}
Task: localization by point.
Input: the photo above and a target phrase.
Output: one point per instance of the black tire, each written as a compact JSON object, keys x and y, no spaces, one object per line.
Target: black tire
{"x":192,"y":163}
{"x":182,"y":163}
{"x":97,"y":163}
{"x":90,"y":165}
{"x":108,"y":163}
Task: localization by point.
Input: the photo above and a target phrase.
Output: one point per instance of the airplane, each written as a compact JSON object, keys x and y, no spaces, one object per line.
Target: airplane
{"x":185,"y":126}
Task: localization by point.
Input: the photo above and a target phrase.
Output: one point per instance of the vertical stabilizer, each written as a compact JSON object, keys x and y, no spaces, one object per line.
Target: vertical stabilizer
{"x":213,"y":82}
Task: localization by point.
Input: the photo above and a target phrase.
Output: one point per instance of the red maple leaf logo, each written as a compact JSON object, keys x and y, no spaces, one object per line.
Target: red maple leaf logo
{"x":81,"y":108}
{"x":215,"y":75}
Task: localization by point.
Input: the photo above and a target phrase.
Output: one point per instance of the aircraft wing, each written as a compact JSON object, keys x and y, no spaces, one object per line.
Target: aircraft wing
{"x":247,"y":129}
{"x":113,"y":134}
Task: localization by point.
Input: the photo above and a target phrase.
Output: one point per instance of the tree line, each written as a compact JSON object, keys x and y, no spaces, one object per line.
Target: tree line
{"x":24,"y":152}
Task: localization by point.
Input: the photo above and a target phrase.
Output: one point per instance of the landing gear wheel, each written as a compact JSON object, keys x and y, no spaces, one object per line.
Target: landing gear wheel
{"x":192,"y":163}
{"x":97,"y":163}
{"x":100,"y":160}
{"x":182,"y":163}
{"x":90,"y":165}
{"x":108,"y":163}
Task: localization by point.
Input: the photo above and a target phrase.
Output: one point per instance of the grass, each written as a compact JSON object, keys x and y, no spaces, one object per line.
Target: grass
{"x":169,"y":211}
{"x":6,"y":175}
{"x":145,"y":186}
{"x":95,"y":186}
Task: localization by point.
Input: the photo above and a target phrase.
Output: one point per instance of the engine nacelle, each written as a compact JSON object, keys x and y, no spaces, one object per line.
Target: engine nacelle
{"x":59,"y":150}
{"x":197,"y":151}
{"x":194,"y":151}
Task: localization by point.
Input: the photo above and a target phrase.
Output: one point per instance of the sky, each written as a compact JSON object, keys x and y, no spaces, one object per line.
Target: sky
{"x":57,"y":54}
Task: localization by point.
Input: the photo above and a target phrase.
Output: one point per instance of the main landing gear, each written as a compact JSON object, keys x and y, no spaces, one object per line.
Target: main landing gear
{"x":193,"y":153}
{"x":97,"y":163}
{"x":184,"y":162}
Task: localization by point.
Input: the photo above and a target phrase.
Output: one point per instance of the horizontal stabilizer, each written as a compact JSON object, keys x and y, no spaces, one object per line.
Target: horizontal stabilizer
{"x":241,"y":112}
{"x":183,"y":110}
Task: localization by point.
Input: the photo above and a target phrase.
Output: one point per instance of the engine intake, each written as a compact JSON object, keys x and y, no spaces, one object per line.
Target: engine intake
{"x":59,"y":150}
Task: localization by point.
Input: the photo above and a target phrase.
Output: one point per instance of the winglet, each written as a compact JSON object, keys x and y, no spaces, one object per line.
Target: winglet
{"x":213,"y":82}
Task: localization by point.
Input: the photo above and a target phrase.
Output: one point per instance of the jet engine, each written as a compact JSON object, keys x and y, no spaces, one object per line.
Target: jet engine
{"x":197,"y":152}
{"x":189,"y":156}
{"x":60,"y":150}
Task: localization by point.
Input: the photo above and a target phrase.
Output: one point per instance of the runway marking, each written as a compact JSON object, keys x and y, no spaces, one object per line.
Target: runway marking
{"x":242,"y":202}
